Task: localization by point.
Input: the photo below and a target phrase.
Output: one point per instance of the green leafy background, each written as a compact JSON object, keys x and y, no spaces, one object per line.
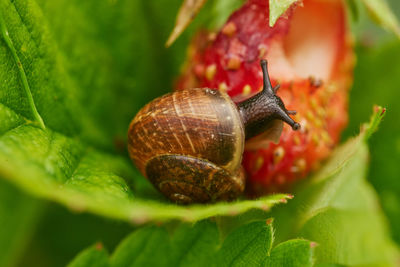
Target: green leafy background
{"x":90,"y":66}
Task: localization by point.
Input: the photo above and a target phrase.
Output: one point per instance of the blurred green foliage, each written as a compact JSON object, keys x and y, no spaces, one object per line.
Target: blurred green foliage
{"x":19,"y":215}
{"x":377,"y":81}
{"x":62,"y":234}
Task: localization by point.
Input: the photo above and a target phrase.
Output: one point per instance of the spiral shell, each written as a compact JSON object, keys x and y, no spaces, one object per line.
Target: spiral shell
{"x":190,"y":144}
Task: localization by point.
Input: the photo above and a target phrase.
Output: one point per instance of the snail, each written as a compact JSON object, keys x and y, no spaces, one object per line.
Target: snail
{"x":189,"y":143}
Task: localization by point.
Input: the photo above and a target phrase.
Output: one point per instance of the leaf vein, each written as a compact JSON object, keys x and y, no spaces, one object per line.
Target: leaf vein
{"x":188,"y":248}
{"x":21,"y":70}
{"x":76,"y":166}
{"x":238,"y":255}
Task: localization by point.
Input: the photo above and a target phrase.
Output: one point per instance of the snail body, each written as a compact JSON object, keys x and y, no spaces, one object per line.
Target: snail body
{"x":190,"y":143}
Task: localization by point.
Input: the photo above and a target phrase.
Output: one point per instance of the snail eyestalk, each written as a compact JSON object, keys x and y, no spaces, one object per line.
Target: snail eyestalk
{"x":261,"y":109}
{"x":266,"y":81}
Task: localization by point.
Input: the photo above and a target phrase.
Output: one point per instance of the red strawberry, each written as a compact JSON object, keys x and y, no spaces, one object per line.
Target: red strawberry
{"x":310,"y":55}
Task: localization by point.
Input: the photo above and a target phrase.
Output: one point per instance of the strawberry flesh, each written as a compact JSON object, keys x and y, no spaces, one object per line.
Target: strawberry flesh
{"x":310,"y":55}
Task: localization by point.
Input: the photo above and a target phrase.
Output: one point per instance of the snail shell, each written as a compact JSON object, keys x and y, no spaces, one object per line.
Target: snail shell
{"x":189,"y":144}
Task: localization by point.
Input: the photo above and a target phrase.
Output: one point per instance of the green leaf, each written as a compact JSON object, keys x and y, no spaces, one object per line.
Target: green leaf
{"x":75,"y":58}
{"x":152,"y":246}
{"x":94,"y":256}
{"x":352,"y":5}
{"x":18,"y":219}
{"x":219,"y":13}
{"x":147,"y":247}
{"x":294,"y":253}
{"x":277,"y":8}
{"x":186,"y":14}
{"x":209,"y":14}
{"x":371,"y":73}
{"x":247,"y":246}
{"x":339,"y":210}
{"x":75,"y":178}
{"x":194,"y":246}
{"x":381,"y":13}
{"x":25,"y":85}
{"x":250,"y":245}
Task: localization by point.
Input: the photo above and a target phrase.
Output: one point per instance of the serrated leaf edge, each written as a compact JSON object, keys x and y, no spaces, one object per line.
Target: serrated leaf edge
{"x":276,"y":13}
{"x":138,"y":211}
